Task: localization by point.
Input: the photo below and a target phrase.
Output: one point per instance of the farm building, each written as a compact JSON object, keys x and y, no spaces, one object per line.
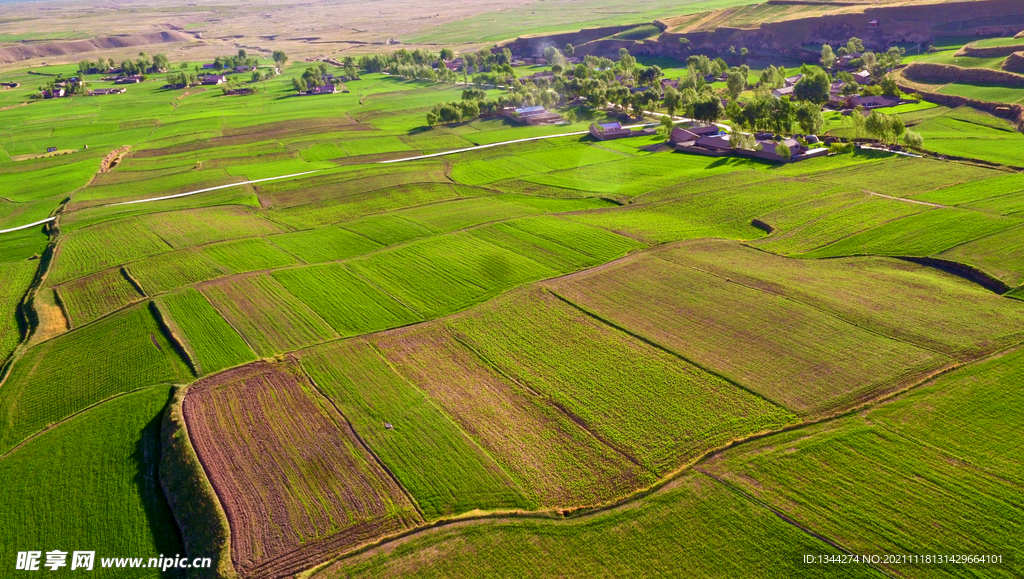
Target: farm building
{"x":719,"y":146}
{"x":862,"y":77}
{"x":535,"y":115}
{"x":692,"y":133}
{"x":239,"y":91}
{"x":784,"y":91}
{"x":607,"y":131}
{"x":53,"y":94}
{"x":213,"y":79}
{"x":870,"y":102}
{"x":106,"y":91}
{"x":792,"y":80}
{"x":326,"y":89}
{"x":134,"y":79}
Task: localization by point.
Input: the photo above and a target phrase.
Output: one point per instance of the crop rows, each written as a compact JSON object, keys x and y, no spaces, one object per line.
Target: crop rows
{"x":793,"y":354}
{"x":444,"y":470}
{"x":66,"y":374}
{"x":90,"y":297}
{"x":349,"y":304}
{"x":213,"y":344}
{"x":270,"y":319}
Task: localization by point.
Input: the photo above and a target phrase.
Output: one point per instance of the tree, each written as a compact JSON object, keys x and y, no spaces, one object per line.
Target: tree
{"x":809,"y":117}
{"x":782,"y":115}
{"x":473,"y":94}
{"x":783,"y":151}
{"x":666,"y":126}
{"x":553,"y":57}
{"x":447,"y":54}
{"x":672,"y":101}
{"x":570,"y":115}
{"x":698,"y":65}
{"x":889,"y":87}
{"x":708,"y":108}
{"x":280,"y":58}
{"x":913,"y":139}
{"x":854,"y":44}
{"x":735,"y":84}
{"x":828,"y":58}
{"x":626,"y":62}
{"x":814,"y":87}
{"x":859,"y":122}
{"x":877,"y":125}
{"x":581,"y":72}
{"x":684,"y":42}
{"x":569,"y":50}
{"x":719,"y":66}
{"x":298,"y":84}
{"x":743,"y":54}
{"x":650,"y":75}
{"x":161,"y":63}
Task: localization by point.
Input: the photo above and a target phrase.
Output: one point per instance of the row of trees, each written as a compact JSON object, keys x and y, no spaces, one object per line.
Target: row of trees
{"x":141,"y":65}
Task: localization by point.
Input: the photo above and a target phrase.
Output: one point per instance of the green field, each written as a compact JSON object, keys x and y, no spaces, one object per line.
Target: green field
{"x":446,"y":472}
{"x":88,"y":298}
{"x":562,"y":354}
{"x":17,"y":276}
{"x":789,"y":352}
{"x":268,"y":318}
{"x":67,"y":374}
{"x":113,"y":450}
{"x":443,"y":274}
{"x":212,"y":344}
{"x":345,"y":301}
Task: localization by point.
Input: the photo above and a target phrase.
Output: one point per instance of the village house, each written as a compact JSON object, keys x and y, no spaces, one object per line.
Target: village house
{"x":325,"y":89}
{"x":535,"y":115}
{"x":213,"y":79}
{"x":792,"y":80}
{"x":133,"y":79}
{"x":615,"y":130}
{"x":692,"y":133}
{"x":784,"y":91}
{"x":870,"y":102}
{"x":53,"y":94}
{"x":239,"y":91}
{"x":106,"y":91}
{"x":666,"y":83}
{"x":862,"y":77}
{"x":765,"y":144}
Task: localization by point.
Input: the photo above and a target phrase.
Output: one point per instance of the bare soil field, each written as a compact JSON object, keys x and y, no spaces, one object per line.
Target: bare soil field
{"x":294,"y":480}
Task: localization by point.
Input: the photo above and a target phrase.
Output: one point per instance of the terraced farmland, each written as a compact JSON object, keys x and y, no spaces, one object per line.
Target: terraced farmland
{"x":558,"y":357}
{"x":792,"y":354}
{"x":651,"y":406}
{"x":61,"y":377}
{"x":266,"y":315}
{"x":445,"y":471}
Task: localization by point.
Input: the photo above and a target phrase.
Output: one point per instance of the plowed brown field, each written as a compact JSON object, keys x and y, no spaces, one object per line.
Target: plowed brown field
{"x":294,"y":480}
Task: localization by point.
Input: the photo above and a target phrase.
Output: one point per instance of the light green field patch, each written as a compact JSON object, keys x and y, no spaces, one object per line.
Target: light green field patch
{"x":211,"y":342}
{"x":247,"y":255}
{"x":324,"y":244}
{"x":62,"y":376}
{"x":348,"y":303}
